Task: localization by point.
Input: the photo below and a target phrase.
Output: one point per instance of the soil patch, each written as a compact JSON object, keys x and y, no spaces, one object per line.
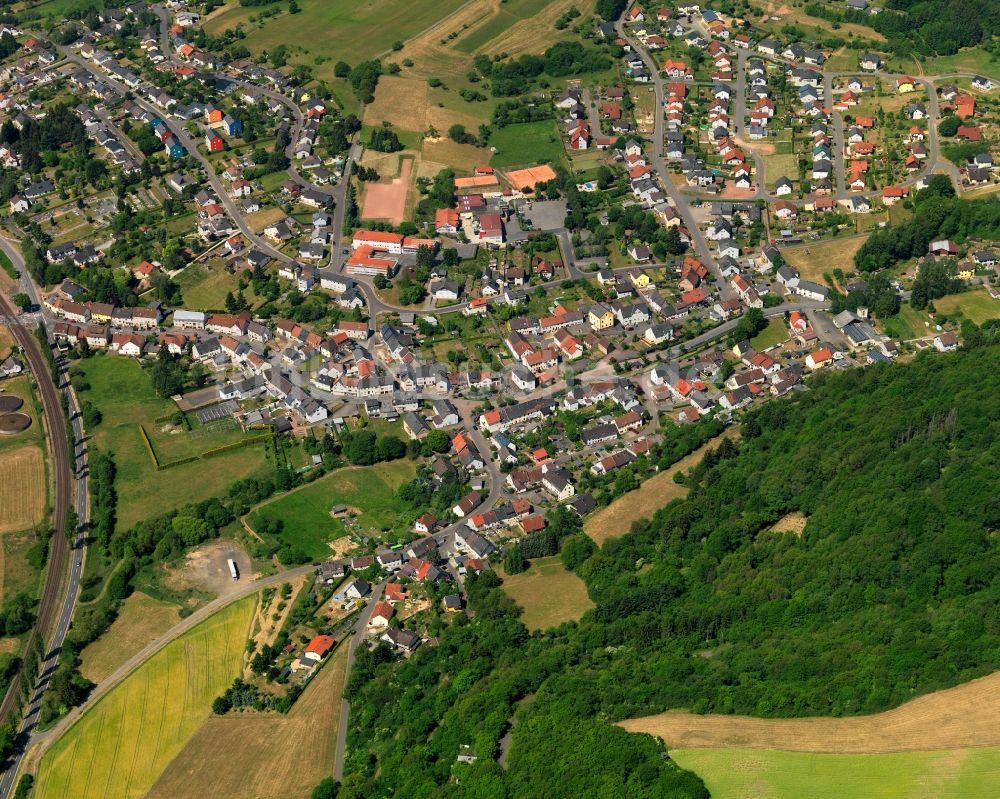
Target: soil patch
{"x":207,"y":569}
{"x":388,"y":200}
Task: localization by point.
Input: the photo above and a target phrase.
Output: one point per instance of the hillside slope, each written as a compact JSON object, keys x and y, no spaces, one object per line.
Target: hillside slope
{"x":890,"y":592}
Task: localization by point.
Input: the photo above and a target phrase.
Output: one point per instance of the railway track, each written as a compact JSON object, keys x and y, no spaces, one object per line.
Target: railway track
{"x":49,"y":605}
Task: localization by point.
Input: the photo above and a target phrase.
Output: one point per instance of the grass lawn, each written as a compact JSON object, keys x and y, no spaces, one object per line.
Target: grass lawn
{"x":773,"y":334}
{"x":812,"y":260}
{"x":548,"y":593}
{"x":767,"y":774}
{"x":908,"y":324}
{"x":976,"y":306}
{"x":526,"y":143}
{"x":124,"y":743}
{"x":122,"y":391}
{"x":614,"y":520}
{"x":140,"y":620}
{"x":783,"y":165}
{"x":367,"y":490}
{"x":205,"y":289}
{"x":344,"y":29}
{"x":266,"y":756}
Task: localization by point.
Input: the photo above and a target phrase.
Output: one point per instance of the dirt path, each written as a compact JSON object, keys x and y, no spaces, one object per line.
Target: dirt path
{"x":965,"y":716}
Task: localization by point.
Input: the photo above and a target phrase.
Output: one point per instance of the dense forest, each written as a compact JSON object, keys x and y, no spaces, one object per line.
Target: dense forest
{"x":890,"y":592}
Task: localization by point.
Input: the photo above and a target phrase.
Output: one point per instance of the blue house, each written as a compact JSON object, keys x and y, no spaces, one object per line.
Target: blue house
{"x":154,"y":121}
{"x":174,"y":147}
{"x":234,"y":127}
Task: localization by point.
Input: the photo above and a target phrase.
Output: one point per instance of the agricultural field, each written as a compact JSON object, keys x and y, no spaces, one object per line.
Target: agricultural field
{"x":22,"y":488}
{"x":616,"y":519}
{"x":122,"y":392}
{"x":356,"y":31}
{"x":122,"y":745}
{"x":956,"y":718}
{"x":812,"y":260}
{"x":267,"y":756}
{"x":527,"y":143}
{"x":548,"y":593}
{"x":368,"y":492}
{"x":141,"y":619}
{"x":506,"y":16}
{"x":770,"y":336}
{"x":976,"y":305}
{"x":944,"y":744}
{"x":766,"y":774}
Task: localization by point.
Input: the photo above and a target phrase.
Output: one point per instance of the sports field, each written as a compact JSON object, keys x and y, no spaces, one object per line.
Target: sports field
{"x":387,"y":201}
{"x":616,"y":519}
{"x":265,"y":756}
{"x":369,"y":491}
{"x":119,"y":748}
{"x":548,"y":593}
{"x":764,"y":774}
{"x":140,"y":620}
{"x":342,"y":30}
{"x":976,"y":306}
{"x":122,"y":391}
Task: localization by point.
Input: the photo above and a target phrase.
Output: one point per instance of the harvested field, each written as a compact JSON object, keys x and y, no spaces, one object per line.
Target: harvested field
{"x":616,"y":519}
{"x":548,"y":593}
{"x":445,"y":152}
{"x":965,"y":716}
{"x":534,"y":33}
{"x":22,"y":488}
{"x":388,"y":200}
{"x":120,"y":747}
{"x":266,"y":756}
{"x":141,"y":619}
{"x":401,"y":102}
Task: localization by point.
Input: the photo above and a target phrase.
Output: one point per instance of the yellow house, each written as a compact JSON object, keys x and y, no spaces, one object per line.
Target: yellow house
{"x":905,"y":85}
{"x":639,"y":279}
{"x":967,"y":270}
{"x":600,"y":317}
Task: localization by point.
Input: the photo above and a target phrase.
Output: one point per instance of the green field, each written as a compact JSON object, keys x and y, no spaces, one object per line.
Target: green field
{"x":119,"y":747}
{"x":774,"y":333}
{"x":548,"y":594}
{"x":908,"y":324}
{"x":205,"y":289}
{"x":976,"y":306}
{"x":767,"y":774}
{"x":367,"y":490}
{"x":974,"y":60}
{"x":342,"y":30}
{"x":122,"y":391}
{"x":527,"y":143}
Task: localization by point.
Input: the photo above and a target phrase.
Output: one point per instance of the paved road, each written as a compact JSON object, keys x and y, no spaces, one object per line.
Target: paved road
{"x":360,"y":628}
{"x":53,"y":616}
